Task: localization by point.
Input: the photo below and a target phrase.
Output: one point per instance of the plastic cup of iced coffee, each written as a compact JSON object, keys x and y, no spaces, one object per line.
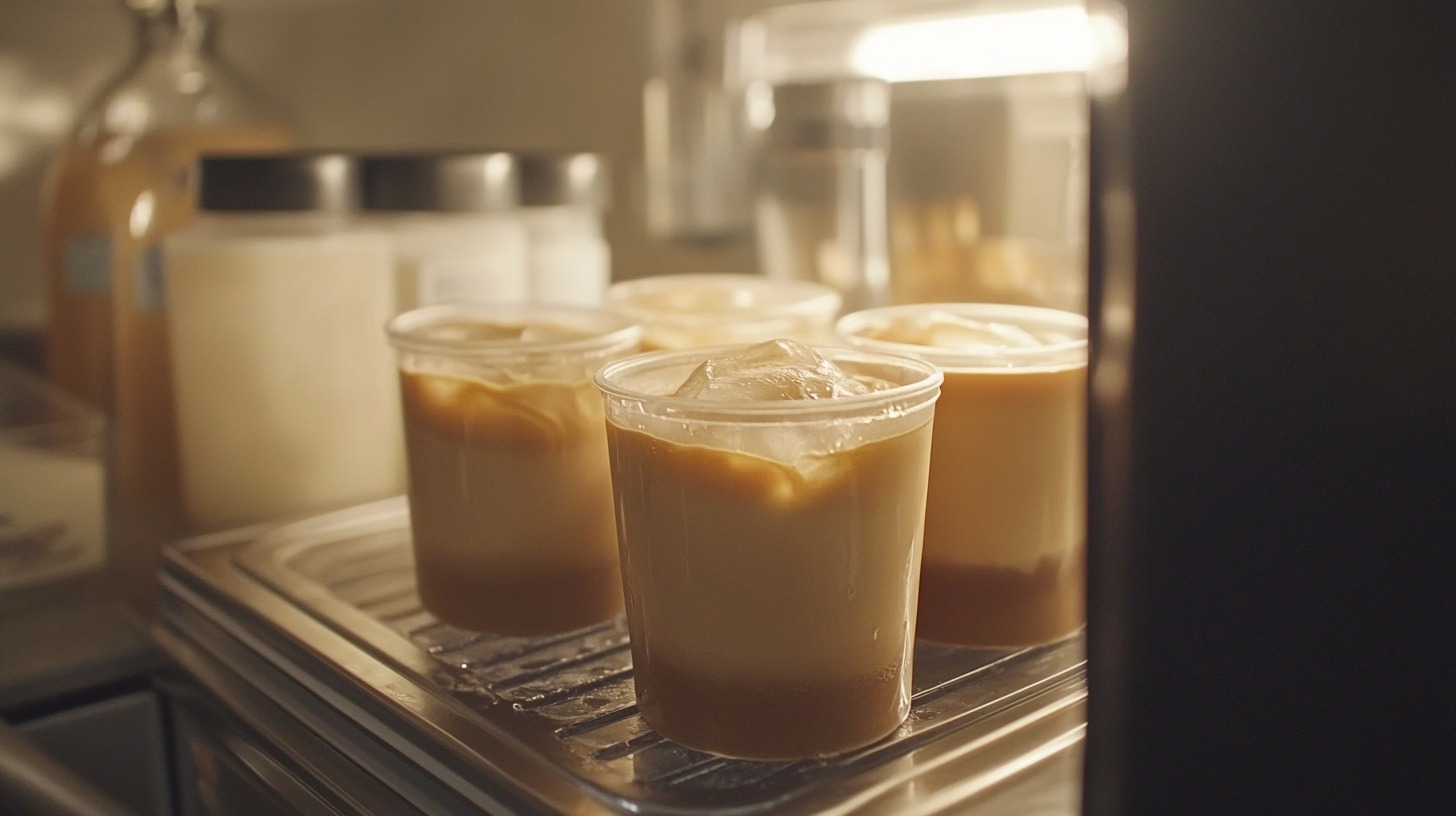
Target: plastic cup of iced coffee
{"x":719,"y":308}
{"x":770,"y":504}
{"x":1004,"y":526}
{"x":510,"y":493}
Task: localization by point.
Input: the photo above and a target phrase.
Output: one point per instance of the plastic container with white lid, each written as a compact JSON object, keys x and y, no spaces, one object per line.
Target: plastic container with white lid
{"x":453,"y":220}
{"x":563,"y":198}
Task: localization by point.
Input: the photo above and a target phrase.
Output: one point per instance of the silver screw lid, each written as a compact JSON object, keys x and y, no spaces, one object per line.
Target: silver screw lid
{"x":440,"y":182}
{"x":278,"y":182}
{"x":557,"y":179}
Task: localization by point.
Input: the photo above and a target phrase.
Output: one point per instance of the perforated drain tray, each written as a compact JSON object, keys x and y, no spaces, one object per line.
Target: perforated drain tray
{"x":321,"y":617}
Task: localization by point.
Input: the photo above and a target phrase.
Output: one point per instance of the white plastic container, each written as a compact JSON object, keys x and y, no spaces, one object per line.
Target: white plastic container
{"x":562,"y":199}
{"x":286,"y":393}
{"x":453,"y":222}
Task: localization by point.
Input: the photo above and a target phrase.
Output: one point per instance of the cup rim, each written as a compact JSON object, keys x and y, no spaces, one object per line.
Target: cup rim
{"x":816,"y":298}
{"x":1047,"y":356}
{"x":927,"y":385}
{"x":403,"y":330}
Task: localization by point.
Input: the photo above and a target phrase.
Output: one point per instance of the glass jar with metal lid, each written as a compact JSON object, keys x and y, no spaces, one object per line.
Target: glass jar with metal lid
{"x":285,"y":392}
{"x":453,"y":222}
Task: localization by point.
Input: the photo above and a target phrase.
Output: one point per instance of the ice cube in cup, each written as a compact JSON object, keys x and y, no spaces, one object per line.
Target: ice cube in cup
{"x":772,"y":370}
{"x":770,"y":593}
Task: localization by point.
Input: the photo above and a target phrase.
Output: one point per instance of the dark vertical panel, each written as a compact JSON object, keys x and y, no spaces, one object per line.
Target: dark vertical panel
{"x":1272,"y":535}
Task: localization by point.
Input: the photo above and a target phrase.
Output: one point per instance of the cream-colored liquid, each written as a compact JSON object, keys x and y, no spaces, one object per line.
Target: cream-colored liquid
{"x":107,"y":338}
{"x":1005,"y":513}
{"x":287,"y":397}
{"x":510,"y":503}
{"x":755,"y":586}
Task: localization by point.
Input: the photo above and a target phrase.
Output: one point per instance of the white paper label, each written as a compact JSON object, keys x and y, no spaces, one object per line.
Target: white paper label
{"x":88,"y":264}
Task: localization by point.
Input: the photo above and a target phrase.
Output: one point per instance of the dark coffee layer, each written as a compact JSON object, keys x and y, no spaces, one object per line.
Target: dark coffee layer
{"x":996,"y":606}
{"x":508,"y":600}
{"x":767,"y":720}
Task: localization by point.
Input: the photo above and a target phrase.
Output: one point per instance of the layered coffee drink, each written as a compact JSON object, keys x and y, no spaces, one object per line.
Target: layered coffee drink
{"x":770,"y":510}
{"x":1005,"y":517}
{"x":707,"y":309}
{"x":509,"y":488}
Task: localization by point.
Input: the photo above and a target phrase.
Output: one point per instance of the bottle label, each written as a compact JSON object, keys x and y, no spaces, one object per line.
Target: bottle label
{"x":88,"y":264}
{"x":149,"y":284}
{"x":479,"y":279}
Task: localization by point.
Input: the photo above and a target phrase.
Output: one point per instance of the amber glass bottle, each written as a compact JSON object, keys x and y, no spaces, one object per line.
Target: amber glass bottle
{"x":120,"y":184}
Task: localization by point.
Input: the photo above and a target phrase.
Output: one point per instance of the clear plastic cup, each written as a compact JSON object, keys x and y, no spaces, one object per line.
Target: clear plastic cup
{"x":1005,"y":526}
{"x":771,"y":552}
{"x":710,"y":308}
{"x":509,"y":488}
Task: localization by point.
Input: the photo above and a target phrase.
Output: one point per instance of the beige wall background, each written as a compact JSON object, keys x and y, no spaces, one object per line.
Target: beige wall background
{"x":360,"y":74}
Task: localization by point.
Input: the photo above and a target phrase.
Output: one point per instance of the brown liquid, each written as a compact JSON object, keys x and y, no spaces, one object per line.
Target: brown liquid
{"x":995,"y":606}
{"x":771,"y":581}
{"x":107,"y":338}
{"x":123,"y":196}
{"x":509,"y":598}
{"x":768,"y":720}
{"x":1006,"y":498}
{"x":510,"y":504}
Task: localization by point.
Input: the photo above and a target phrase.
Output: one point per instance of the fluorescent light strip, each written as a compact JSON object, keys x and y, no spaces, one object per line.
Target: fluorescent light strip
{"x":1037,"y":41}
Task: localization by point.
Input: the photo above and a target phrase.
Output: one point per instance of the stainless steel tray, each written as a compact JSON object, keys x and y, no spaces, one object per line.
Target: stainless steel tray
{"x":553,"y":720}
